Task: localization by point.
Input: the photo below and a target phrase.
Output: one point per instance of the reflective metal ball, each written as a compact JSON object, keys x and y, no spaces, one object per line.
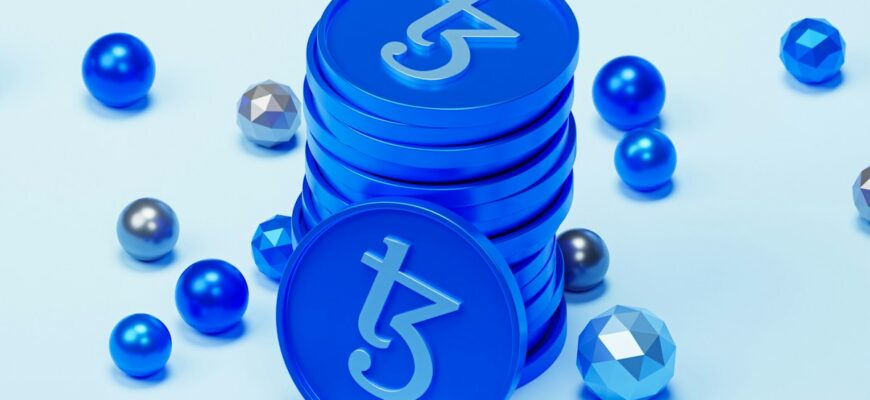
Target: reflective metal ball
{"x":148,"y":229}
{"x":586,"y":259}
{"x":140,"y":345}
{"x":211,"y":296}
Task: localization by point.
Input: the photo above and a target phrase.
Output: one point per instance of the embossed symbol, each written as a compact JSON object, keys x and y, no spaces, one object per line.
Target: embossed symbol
{"x":456,"y":40}
{"x":388,"y":274}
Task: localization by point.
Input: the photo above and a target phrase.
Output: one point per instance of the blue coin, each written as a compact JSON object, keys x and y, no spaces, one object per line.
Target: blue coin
{"x":357,"y":185}
{"x":326,"y":98}
{"x":345,"y":333}
{"x":442,"y":164}
{"x":541,"y":309}
{"x":311,"y":215}
{"x":448,"y":64}
{"x":534,"y":286}
{"x":493,"y":218}
{"x":545,"y":353}
{"x":298,"y":229}
{"x":528,"y":269}
{"x":524,"y":242}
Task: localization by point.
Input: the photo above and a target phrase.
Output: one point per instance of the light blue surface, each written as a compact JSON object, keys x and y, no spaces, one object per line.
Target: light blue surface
{"x":757,"y":260}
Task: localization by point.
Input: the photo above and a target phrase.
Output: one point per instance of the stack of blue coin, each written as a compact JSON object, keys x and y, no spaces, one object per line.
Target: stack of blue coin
{"x":463,"y":103}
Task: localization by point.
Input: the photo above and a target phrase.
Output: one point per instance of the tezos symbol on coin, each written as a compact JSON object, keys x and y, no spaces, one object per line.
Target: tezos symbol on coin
{"x":388,"y":273}
{"x":456,"y":40}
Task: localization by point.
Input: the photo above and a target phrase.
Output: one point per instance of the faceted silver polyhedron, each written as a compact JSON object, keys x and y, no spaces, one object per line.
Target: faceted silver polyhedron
{"x":861,"y":191}
{"x":269,"y":114}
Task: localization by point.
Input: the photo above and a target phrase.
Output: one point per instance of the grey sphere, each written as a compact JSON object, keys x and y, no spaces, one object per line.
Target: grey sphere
{"x":586,"y":259}
{"x":147,"y":229}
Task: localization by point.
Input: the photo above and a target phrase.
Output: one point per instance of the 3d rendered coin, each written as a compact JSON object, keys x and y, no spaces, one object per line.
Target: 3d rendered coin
{"x":374,"y":305}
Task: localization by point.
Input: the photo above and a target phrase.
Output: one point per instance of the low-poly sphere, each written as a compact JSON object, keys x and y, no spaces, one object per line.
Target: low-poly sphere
{"x":272,"y":246}
{"x":147,"y":229}
{"x":118,"y":70}
{"x":626,"y":354}
{"x":813,"y":51}
{"x":629,"y":92}
{"x":586,"y":259}
{"x":140,"y":345}
{"x":269,"y":114}
{"x":861,"y":194}
{"x":645,"y":159}
{"x":211,"y":296}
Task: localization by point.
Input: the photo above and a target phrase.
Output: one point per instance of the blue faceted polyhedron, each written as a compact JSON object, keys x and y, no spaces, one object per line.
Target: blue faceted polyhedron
{"x":626,"y":354}
{"x":272,"y":246}
{"x":813,"y":50}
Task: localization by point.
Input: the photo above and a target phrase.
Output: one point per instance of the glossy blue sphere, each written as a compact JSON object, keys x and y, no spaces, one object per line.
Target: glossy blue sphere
{"x":211,"y":296}
{"x":118,"y":70}
{"x":629,"y":92}
{"x":140,"y":345}
{"x":813,"y":50}
{"x":646,"y":159}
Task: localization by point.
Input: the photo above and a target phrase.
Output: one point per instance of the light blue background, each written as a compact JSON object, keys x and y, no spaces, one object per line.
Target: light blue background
{"x":757,"y":260}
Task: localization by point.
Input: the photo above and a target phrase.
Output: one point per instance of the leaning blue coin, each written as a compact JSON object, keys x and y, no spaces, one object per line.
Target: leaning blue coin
{"x":385,"y":299}
{"x":449,"y":63}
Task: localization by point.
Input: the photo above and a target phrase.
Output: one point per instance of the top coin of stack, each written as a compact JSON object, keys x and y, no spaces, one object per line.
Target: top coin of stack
{"x":462,"y":103}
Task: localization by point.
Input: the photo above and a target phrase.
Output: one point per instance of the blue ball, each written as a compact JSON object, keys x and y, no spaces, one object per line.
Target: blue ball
{"x":813,"y":51}
{"x":140,"y":345}
{"x":646,"y":159}
{"x":147,"y":229}
{"x":118,"y":70}
{"x":211,"y":296}
{"x":629,"y":92}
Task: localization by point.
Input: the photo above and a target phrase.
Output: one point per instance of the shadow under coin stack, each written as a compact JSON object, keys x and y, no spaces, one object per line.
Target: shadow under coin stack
{"x":496,"y":146}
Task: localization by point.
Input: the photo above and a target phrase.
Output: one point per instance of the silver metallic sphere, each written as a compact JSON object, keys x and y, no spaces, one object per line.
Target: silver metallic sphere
{"x":147,"y":229}
{"x":268,"y":114}
{"x":861,"y":194}
{"x":586,"y":259}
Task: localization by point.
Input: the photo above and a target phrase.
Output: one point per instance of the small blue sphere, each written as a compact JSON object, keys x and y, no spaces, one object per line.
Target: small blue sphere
{"x":211,"y":296}
{"x":140,"y":345}
{"x":813,"y":51}
{"x":646,"y":159}
{"x":629,"y":92}
{"x":118,"y":70}
{"x":147,"y":229}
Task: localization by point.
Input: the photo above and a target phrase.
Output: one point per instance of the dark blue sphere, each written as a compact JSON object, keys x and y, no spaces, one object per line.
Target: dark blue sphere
{"x":646,"y":159}
{"x":629,"y":92}
{"x":118,"y":70}
{"x":140,"y":345}
{"x":211,"y":296}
